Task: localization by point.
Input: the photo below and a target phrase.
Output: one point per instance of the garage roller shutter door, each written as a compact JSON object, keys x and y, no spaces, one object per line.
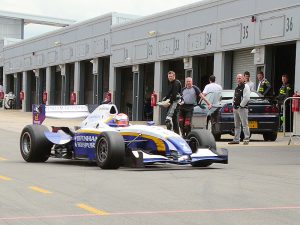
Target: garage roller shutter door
{"x":243,"y":61}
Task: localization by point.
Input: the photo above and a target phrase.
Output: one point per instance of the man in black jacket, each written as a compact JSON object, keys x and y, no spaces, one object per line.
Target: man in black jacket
{"x":174,"y":96}
{"x":285,"y":91}
{"x":240,"y":110}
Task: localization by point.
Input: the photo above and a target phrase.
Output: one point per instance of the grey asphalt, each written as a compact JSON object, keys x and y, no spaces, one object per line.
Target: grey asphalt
{"x":260,"y":185}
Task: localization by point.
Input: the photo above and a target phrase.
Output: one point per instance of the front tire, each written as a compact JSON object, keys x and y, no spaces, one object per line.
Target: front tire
{"x":110,"y":150}
{"x":34,"y":146}
{"x":201,"y":139}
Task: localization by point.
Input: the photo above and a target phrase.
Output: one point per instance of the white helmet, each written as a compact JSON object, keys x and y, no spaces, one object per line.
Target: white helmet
{"x":121,"y":120}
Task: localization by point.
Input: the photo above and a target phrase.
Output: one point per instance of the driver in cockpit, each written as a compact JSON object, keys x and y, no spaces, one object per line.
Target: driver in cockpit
{"x":119,"y":120}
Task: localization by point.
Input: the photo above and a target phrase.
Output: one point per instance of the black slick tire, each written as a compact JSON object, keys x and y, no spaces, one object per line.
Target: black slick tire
{"x":201,"y":139}
{"x":34,"y":146}
{"x":110,"y":150}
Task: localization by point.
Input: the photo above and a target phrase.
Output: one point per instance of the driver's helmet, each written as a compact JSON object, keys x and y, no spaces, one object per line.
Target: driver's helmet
{"x":121,"y":120}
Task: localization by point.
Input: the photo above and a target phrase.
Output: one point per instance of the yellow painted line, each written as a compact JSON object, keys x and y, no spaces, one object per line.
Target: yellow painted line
{"x":4,"y":178}
{"x":92,"y":210}
{"x":41,"y":190}
{"x":2,"y":159}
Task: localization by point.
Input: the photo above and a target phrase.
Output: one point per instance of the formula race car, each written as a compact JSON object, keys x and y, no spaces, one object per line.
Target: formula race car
{"x":106,"y":136}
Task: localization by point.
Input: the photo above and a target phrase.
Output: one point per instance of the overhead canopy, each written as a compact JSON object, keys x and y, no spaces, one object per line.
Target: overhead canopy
{"x":43,"y":20}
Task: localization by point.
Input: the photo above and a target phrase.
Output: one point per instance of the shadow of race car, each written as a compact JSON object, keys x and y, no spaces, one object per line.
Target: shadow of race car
{"x":106,"y":136}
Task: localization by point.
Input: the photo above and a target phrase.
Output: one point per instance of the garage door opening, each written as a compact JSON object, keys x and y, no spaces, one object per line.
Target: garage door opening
{"x":284,"y":63}
{"x":41,"y":85}
{"x":56,"y":82}
{"x":30,"y":92}
{"x":102,"y":79}
{"x":9,"y":83}
{"x":18,"y":86}
{"x":203,"y":67}
{"x":124,"y":90}
{"x":68,"y":83}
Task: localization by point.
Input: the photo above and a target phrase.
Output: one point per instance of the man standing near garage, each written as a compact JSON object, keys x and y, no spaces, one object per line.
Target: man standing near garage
{"x":248,"y":81}
{"x":174,"y":94}
{"x":285,"y":91}
{"x":264,"y":86}
{"x":212,"y":86}
{"x":240,"y":110}
{"x":191,"y":95}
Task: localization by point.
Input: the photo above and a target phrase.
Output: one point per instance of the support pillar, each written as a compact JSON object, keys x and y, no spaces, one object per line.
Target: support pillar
{"x":188,"y":67}
{"x":17,"y":89}
{"x":219,"y":67}
{"x":26,"y":107}
{"x":79,"y":83}
{"x":38,"y":87}
{"x":95,"y":62}
{"x":63,"y":84}
{"x":112,"y":81}
{"x":296,"y":128}
{"x":138,"y":93}
{"x":48,"y":86}
{"x":158,"y":78}
{"x":4,"y":83}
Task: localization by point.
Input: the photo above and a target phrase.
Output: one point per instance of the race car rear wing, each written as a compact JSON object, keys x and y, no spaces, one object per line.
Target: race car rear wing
{"x":40,"y":112}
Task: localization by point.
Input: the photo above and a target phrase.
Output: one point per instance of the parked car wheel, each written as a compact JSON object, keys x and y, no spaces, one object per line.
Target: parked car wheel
{"x":201,"y":138}
{"x":110,"y":150}
{"x":270,"y":136}
{"x":34,"y":146}
{"x":212,"y":130}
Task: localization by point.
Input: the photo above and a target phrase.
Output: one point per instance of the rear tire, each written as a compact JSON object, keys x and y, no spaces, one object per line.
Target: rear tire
{"x":201,"y":138}
{"x":34,"y":146}
{"x":270,"y":136}
{"x":110,"y":150}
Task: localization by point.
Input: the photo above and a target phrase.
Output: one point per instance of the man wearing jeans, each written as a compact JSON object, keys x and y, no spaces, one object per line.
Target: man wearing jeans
{"x":174,"y":95}
{"x":240,"y":110}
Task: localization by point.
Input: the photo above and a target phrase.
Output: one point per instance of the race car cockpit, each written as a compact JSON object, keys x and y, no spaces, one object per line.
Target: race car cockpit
{"x":119,"y":120}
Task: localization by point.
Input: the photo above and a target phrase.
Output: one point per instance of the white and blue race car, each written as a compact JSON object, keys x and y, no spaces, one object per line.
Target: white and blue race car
{"x":106,"y":136}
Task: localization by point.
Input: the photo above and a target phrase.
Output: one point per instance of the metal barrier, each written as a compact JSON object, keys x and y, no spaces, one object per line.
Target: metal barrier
{"x":292,"y":134}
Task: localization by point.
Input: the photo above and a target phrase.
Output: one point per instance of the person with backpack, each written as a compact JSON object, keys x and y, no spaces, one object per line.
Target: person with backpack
{"x":191,"y":95}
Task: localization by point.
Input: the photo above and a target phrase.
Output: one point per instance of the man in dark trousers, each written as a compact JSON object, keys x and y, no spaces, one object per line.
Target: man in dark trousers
{"x":174,"y":96}
{"x":240,"y":110}
{"x":191,"y":95}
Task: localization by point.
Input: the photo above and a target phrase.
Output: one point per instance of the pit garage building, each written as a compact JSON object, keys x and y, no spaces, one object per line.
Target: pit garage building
{"x":130,"y":57}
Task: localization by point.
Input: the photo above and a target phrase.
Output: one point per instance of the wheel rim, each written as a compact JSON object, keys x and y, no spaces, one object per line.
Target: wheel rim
{"x":102,"y":150}
{"x":26,"y":143}
{"x":194,"y":144}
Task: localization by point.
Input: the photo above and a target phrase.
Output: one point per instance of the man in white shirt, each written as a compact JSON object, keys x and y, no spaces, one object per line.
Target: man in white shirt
{"x":212,"y":86}
{"x":248,"y":81}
